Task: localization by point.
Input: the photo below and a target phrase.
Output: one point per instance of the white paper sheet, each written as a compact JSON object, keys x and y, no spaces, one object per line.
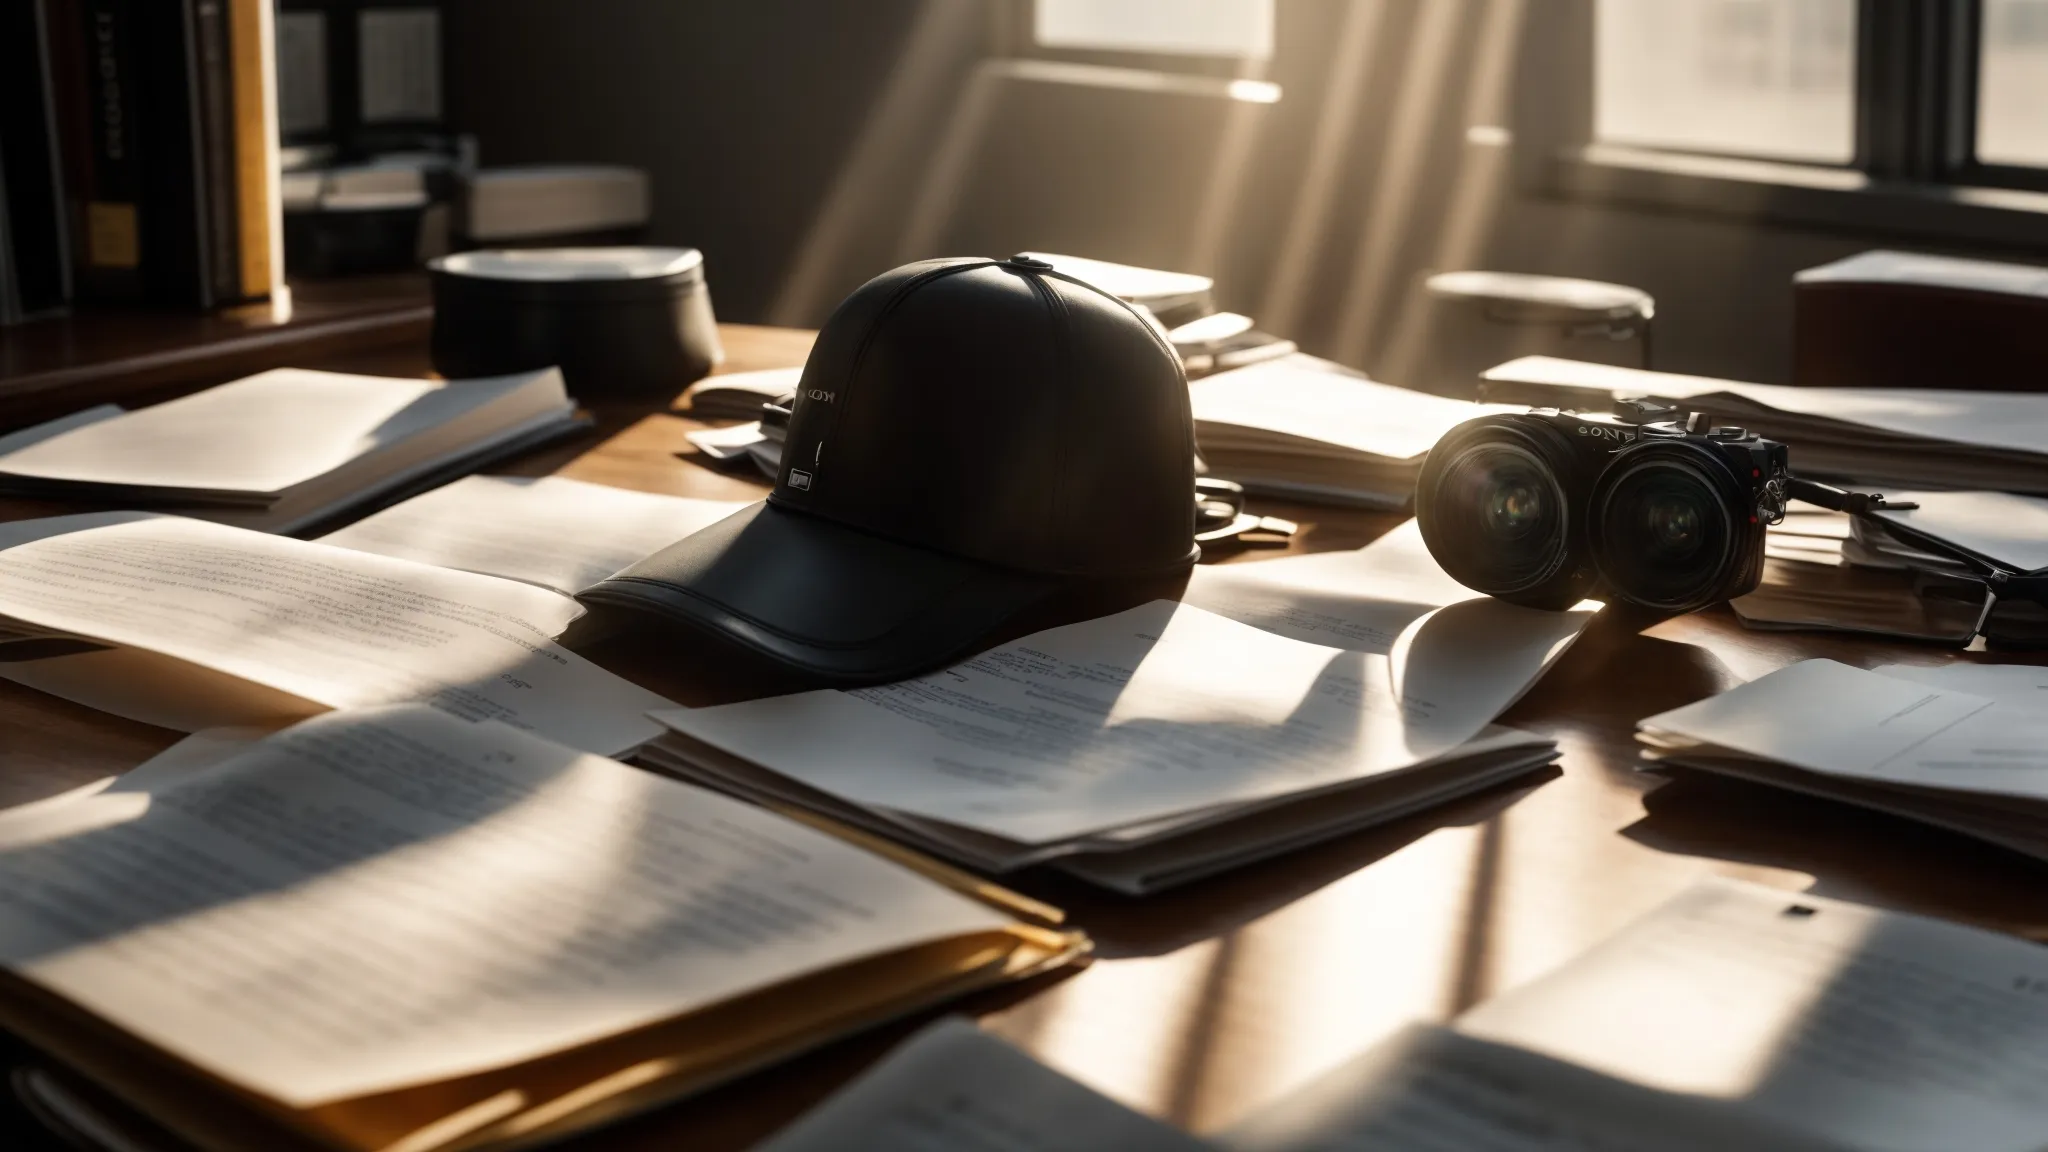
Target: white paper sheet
{"x":727,"y":443}
{"x":1887,"y":267}
{"x":1392,"y":598}
{"x":376,"y":899}
{"x":261,"y":434}
{"x":197,"y":750}
{"x":1154,"y":711}
{"x":1822,"y":715}
{"x":1829,"y":717}
{"x":340,"y":628}
{"x":36,"y":434}
{"x":1878,"y":1031}
{"x":955,"y":1088}
{"x":2012,"y":530}
{"x":2013,"y":420}
{"x":1311,"y":399}
{"x":2019,"y":685}
{"x":557,"y":533}
{"x":1429,"y":1089}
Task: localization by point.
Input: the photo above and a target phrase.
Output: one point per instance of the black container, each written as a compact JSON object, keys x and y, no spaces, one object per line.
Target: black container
{"x":621,"y":323}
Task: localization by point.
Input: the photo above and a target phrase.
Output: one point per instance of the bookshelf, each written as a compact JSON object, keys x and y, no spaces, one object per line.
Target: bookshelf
{"x":50,"y":367}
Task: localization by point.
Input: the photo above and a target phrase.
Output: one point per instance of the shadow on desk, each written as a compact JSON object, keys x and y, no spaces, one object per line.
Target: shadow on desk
{"x":1127,"y":926}
{"x":1856,"y":854}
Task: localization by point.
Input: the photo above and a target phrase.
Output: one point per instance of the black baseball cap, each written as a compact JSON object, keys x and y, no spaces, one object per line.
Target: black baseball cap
{"x":970,"y":436}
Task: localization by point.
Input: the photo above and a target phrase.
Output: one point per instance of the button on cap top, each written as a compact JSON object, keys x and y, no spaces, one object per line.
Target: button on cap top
{"x":1020,"y":260}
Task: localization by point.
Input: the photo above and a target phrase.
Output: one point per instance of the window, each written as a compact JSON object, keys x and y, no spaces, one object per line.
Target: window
{"x":1909,"y":91}
{"x":1235,"y":28}
{"x":2012,"y":83}
{"x":1772,"y":78}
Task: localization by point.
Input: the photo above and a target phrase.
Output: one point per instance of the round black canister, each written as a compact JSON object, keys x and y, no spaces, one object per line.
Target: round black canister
{"x":621,"y":323}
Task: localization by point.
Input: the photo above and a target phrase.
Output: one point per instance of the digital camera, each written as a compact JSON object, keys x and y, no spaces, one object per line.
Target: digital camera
{"x":1545,"y":508}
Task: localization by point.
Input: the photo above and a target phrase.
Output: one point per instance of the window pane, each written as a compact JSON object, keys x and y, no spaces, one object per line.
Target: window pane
{"x":1186,"y":27}
{"x":1752,"y":77}
{"x":2012,"y":89}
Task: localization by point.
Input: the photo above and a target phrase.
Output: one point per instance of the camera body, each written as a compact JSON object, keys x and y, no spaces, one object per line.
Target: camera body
{"x":1547,"y":507}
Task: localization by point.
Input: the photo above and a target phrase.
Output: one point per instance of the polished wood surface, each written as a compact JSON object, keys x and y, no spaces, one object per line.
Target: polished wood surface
{"x":67,"y":363}
{"x":1208,"y":1002}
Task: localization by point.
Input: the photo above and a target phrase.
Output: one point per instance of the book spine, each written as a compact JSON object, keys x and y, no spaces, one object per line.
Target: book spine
{"x":217,"y":150}
{"x":110,"y":259}
{"x":109,"y":208}
{"x":31,"y":187}
{"x":175,"y":240}
{"x":259,"y":205}
{"x":71,"y":126}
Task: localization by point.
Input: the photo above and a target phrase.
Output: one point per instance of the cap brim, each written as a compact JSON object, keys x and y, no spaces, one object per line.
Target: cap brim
{"x":822,"y":598}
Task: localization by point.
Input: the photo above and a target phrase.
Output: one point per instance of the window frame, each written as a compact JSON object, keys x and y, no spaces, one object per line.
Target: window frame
{"x":1014,"y":37}
{"x":1913,"y":172}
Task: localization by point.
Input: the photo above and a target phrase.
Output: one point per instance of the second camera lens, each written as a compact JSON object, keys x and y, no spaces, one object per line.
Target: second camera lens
{"x":1666,"y":528}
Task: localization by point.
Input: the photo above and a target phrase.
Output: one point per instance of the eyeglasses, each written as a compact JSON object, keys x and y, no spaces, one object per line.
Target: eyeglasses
{"x":2011,"y":607}
{"x":1220,"y":518}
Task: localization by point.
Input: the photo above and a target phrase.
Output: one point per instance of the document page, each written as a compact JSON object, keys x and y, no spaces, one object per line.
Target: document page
{"x":1430,"y":1089}
{"x":1311,"y":399}
{"x":2023,"y":686}
{"x":557,"y":533}
{"x":1878,"y":1031}
{"x":2010,"y":420}
{"x":1391,"y":597}
{"x":257,"y":435}
{"x":197,"y":750}
{"x":341,"y":628}
{"x":2011,"y":530}
{"x":1821,"y":715}
{"x":1829,"y":717}
{"x":955,"y":1088}
{"x":376,"y":899}
{"x":1154,"y":711}
{"x":36,"y":434}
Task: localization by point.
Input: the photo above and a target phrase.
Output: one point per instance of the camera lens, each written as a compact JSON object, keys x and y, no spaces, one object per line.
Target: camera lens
{"x":1495,"y":511}
{"x":1665,"y":528}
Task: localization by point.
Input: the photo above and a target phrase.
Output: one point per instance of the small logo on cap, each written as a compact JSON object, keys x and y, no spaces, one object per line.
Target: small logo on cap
{"x":799,"y":479}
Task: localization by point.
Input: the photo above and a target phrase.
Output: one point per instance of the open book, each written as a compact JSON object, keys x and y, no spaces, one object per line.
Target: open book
{"x":282,"y":450}
{"x":1960,"y":746}
{"x":1909,"y":438}
{"x":398,"y":929}
{"x":1736,"y":1017}
{"x":188,"y":624}
{"x":1280,"y":704}
{"x":1312,"y":430}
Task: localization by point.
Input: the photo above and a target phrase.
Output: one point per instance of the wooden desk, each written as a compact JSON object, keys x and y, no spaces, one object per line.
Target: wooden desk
{"x":1211,"y":1001}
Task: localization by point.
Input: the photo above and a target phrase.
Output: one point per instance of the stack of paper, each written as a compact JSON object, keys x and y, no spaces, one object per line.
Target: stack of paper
{"x":1174,"y":297}
{"x":1736,"y":1017}
{"x":285,"y":449}
{"x":1932,"y":438}
{"x":739,"y":395}
{"x":1281,"y":704}
{"x":1962,"y":746}
{"x":394,"y":929}
{"x":559,"y":534}
{"x":1313,"y":430}
{"x":1894,"y":572}
{"x":187,"y":624}
{"x":1221,"y":341}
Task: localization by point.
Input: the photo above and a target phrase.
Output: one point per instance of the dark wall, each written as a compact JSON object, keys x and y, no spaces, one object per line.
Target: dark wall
{"x":805,"y":146}
{"x":742,"y":110}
